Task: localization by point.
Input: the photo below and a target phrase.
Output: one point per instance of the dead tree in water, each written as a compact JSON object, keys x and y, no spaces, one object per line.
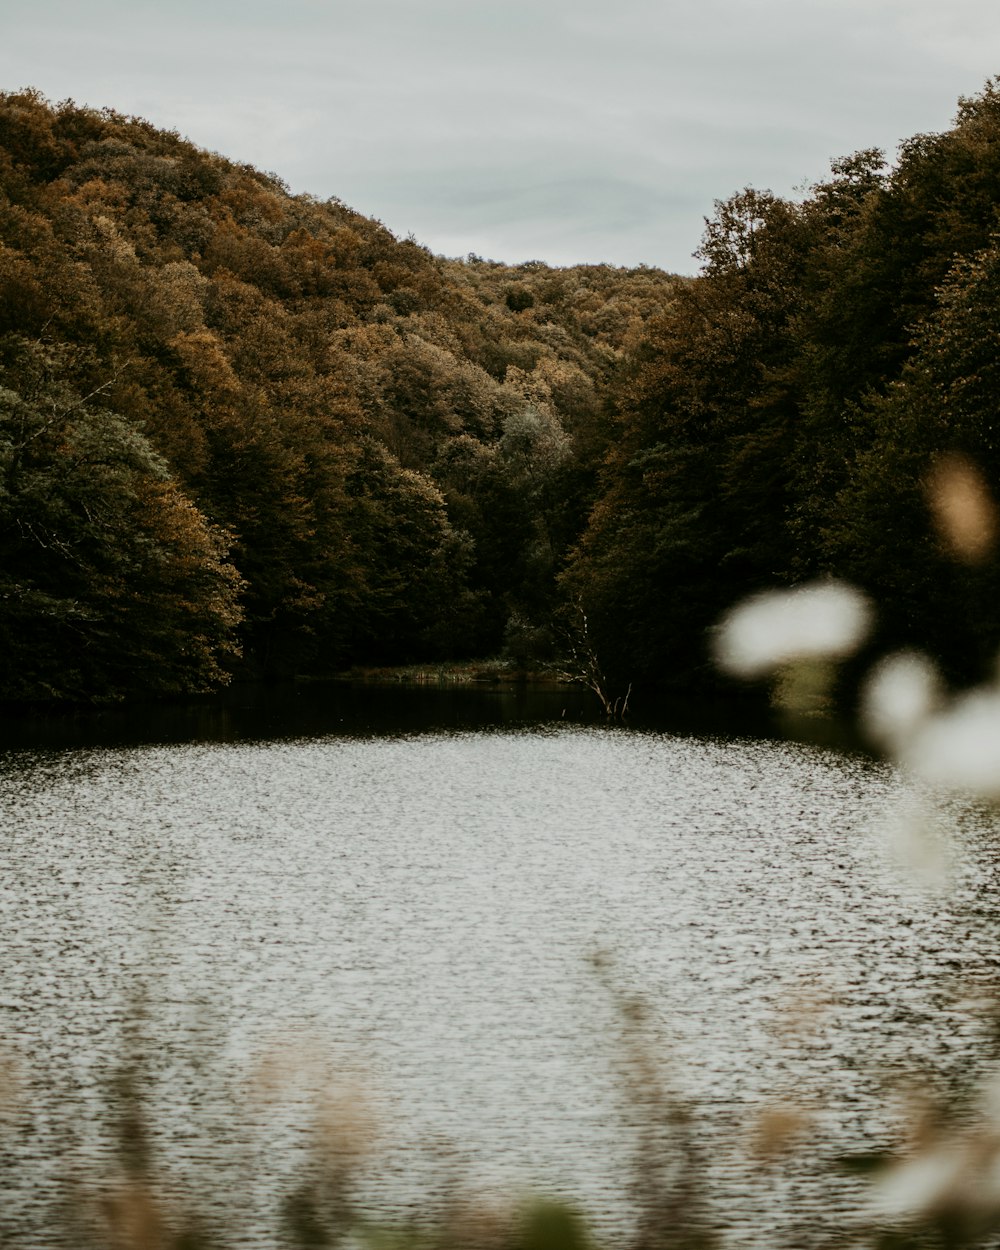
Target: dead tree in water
{"x":582,"y":667}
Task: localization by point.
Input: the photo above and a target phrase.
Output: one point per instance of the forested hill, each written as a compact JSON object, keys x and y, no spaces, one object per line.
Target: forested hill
{"x":828,"y":385}
{"x":248,"y":432}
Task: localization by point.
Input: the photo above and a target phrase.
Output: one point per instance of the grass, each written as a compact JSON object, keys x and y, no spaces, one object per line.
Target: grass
{"x":450,"y":672}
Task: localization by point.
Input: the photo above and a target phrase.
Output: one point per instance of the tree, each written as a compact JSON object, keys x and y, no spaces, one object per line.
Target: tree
{"x":940,"y":415}
{"x":112,"y":582}
{"x":415,"y":600}
{"x":696,"y":488}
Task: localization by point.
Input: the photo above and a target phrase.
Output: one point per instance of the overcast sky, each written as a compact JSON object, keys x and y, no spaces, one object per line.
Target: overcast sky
{"x":559,"y":130}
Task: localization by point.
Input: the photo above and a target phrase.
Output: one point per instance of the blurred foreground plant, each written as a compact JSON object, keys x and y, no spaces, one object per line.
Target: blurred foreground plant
{"x":130,"y":1208}
{"x":942,"y":1187}
{"x":133,"y":1205}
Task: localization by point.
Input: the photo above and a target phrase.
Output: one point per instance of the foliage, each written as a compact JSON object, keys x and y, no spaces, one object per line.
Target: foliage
{"x":112,"y":580}
{"x":410,"y":456}
{"x":359,"y":418}
{"x":784,"y":416}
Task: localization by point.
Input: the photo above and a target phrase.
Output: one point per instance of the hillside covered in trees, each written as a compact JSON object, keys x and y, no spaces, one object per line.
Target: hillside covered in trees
{"x":249,"y":433}
{"x":790,"y":414}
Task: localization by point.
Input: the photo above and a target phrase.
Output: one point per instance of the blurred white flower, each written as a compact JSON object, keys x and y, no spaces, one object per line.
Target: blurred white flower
{"x":922,"y":1183}
{"x":959,"y":748}
{"x":918,"y":841}
{"x":955,"y":1175}
{"x":989,"y":1097}
{"x":822,"y":619}
{"x":900,"y":694}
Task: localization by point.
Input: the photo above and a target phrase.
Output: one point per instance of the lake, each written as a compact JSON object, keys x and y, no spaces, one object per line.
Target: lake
{"x":388,"y":905}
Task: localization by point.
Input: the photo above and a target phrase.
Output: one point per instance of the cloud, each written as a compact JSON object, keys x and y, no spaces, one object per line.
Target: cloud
{"x":604,"y":132}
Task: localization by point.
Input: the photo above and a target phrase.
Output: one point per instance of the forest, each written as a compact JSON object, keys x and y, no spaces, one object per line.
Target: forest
{"x":250,"y":434}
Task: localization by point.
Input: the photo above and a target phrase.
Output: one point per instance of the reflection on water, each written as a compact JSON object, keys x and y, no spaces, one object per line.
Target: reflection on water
{"x":305,"y":710}
{"x":416,"y":912}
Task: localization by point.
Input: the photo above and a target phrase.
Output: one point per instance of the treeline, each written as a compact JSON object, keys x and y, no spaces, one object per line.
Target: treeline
{"x":786,"y":416}
{"x":248,"y":432}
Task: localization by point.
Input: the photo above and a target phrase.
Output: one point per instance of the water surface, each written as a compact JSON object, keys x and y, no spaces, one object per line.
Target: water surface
{"x":257,"y":924}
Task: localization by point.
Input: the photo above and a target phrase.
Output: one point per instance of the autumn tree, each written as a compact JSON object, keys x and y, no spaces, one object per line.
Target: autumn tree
{"x":113,"y":583}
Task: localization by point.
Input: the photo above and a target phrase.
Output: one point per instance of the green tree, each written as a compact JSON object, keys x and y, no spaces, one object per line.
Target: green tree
{"x":113,"y":583}
{"x":696,"y":488}
{"x":415,"y":601}
{"x":942,"y":412}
